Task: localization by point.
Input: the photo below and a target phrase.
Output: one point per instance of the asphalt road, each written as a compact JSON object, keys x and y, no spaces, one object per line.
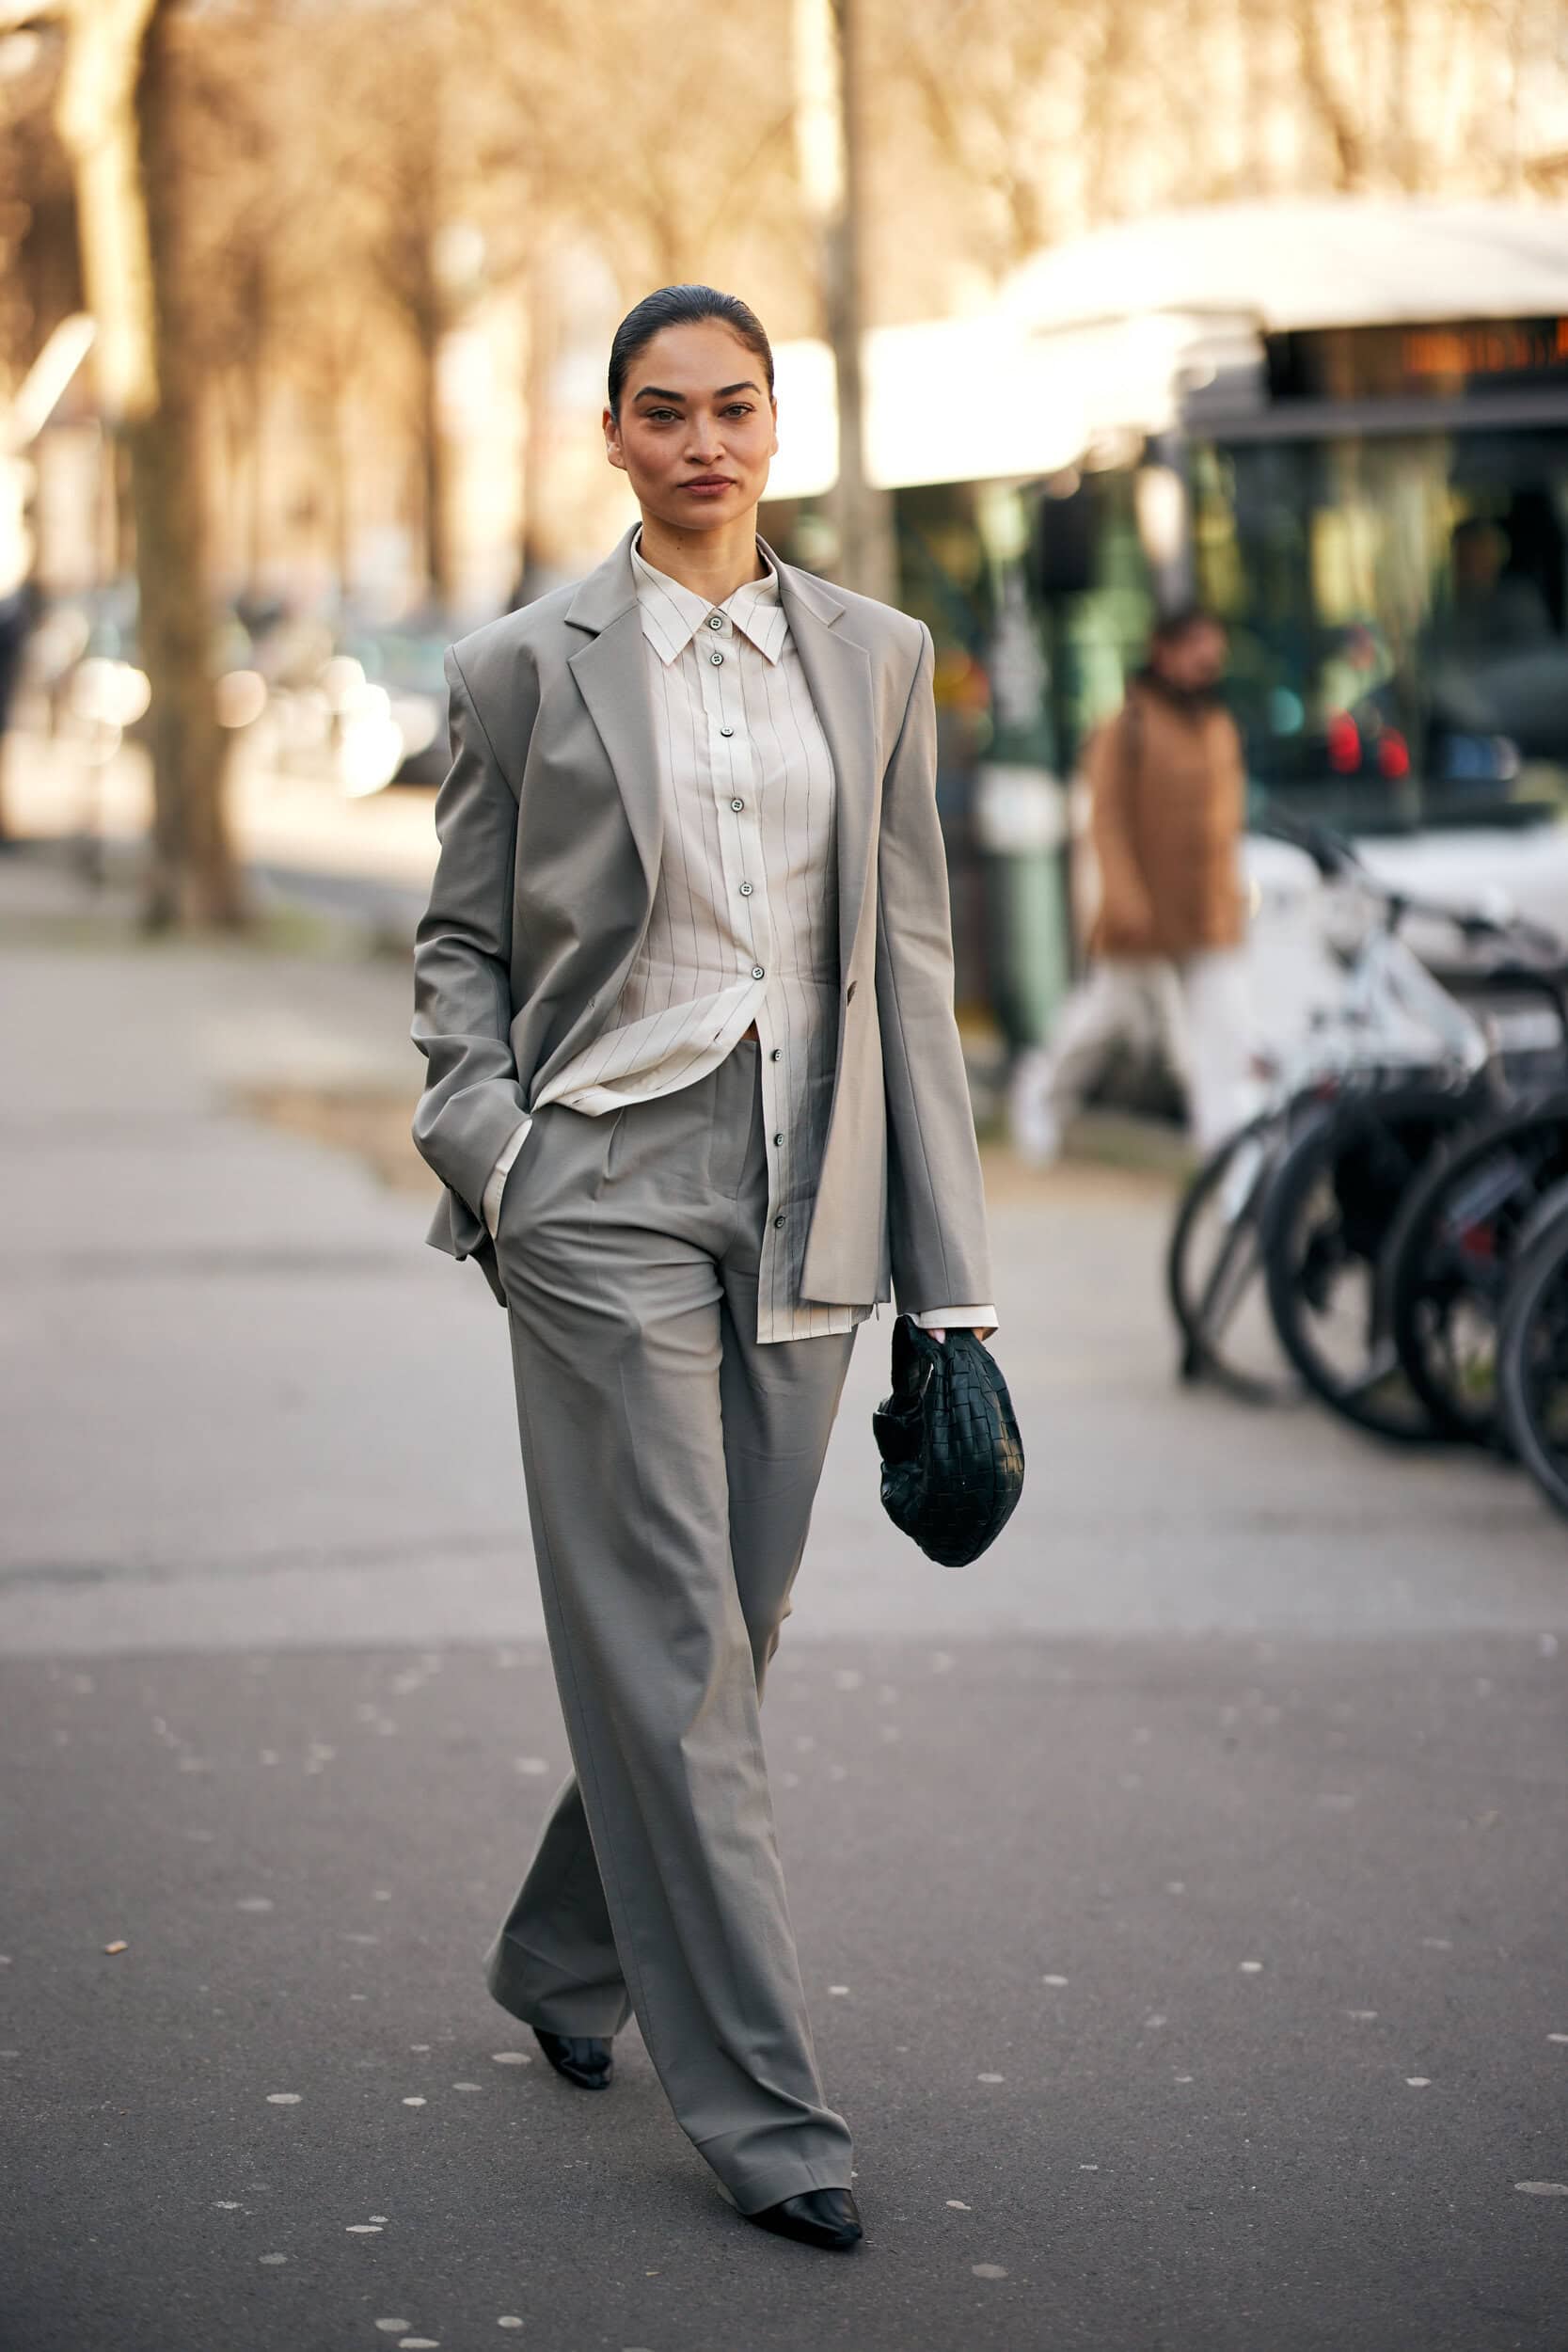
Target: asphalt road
{"x":1180,"y":1891}
{"x":1193,"y":1994}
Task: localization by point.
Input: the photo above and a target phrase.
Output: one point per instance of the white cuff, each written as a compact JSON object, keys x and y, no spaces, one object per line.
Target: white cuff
{"x":957,"y":1319}
{"x":495,"y":1183}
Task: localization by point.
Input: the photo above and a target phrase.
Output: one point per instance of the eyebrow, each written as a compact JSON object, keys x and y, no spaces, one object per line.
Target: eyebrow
{"x":653,"y":391}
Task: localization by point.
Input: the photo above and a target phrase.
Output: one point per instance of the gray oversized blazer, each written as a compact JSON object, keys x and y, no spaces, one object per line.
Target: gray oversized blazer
{"x":549,"y":827}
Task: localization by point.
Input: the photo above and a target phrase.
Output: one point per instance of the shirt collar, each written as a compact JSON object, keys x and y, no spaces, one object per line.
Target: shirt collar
{"x":672,"y":614}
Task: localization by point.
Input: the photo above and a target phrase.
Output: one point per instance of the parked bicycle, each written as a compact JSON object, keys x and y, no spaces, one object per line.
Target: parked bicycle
{"x":1294,"y":1214}
{"x":1532,"y":1355}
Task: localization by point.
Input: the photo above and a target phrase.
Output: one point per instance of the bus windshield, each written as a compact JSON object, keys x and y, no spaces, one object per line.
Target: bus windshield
{"x":1397,"y":611}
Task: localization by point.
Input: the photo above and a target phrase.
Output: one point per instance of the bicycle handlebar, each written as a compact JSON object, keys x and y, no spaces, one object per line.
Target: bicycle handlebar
{"x":1336,"y":859}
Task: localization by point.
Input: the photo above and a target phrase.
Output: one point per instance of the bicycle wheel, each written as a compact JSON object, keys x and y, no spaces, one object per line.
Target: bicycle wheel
{"x":1532,"y":1361}
{"x":1213,"y":1262}
{"x":1330,"y":1212}
{"x":1459,"y":1236}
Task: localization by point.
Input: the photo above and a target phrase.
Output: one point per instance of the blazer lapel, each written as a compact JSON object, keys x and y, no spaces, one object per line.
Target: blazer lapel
{"x":611,"y":676}
{"x":838,"y":671}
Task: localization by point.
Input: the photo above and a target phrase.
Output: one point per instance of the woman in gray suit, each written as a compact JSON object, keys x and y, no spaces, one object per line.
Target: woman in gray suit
{"x":695,"y":1093}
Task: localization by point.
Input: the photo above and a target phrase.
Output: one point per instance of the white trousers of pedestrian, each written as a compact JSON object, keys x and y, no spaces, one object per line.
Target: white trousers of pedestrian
{"x":1194,"y":1006}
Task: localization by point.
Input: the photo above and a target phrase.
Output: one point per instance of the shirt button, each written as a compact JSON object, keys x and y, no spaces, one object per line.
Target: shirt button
{"x":738,"y":805}
{"x":715,"y":658}
{"x":728,"y":731}
{"x":778,"y":1221}
{"x":777,"y":1053}
{"x":716,"y":620}
{"x":758,"y":973}
{"x":745,"y":890}
{"x":779,"y":1138}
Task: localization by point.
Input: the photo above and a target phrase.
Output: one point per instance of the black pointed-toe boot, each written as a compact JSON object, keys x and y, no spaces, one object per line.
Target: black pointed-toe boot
{"x":588,"y":2063}
{"x":827,"y":2217}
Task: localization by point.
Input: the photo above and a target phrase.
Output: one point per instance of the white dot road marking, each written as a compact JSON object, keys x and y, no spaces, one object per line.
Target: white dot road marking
{"x":987,"y":2271}
{"x":271,"y":2258}
{"x":1542,"y":2188}
{"x":991,"y":2078}
{"x":1419,"y":2082}
{"x":362,"y":2229}
{"x":254,"y":1902}
{"x":1250,"y":1967}
{"x":509,"y":2057}
{"x":283,"y":2098}
{"x":1054,"y":1980}
{"x":958,"y":2205}
{"x":413,"y":2103}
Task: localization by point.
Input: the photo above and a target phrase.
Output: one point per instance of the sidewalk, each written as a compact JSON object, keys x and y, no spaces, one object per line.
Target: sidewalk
{"x":1176,"y":1888}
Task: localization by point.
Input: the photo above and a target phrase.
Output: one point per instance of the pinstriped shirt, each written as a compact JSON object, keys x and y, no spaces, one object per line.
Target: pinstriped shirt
{"x":744,"y":924}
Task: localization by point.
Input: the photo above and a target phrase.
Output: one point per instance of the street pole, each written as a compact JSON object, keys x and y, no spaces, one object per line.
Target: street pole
{"x":831,"y":158}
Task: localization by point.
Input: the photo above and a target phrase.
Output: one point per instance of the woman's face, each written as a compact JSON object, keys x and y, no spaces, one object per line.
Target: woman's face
{"x":696,"y":429}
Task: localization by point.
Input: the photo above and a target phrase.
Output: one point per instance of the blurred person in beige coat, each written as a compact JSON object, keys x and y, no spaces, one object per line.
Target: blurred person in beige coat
{"x":1168,"y":802}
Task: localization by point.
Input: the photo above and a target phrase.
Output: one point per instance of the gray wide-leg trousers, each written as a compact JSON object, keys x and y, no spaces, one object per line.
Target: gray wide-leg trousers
{"x":671,"y":1464}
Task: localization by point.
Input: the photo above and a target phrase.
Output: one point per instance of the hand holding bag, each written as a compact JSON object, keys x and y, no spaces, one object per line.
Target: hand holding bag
{"x":952,"y":1457}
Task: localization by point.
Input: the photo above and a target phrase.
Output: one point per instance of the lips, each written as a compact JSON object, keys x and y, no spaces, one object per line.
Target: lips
{"x":710,"y":481}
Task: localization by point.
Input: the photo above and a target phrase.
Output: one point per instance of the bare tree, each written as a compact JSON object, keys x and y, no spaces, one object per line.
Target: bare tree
{"x":120,"y":117}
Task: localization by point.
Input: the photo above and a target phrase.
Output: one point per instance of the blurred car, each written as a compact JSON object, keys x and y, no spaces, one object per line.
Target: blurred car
{"x":405,"y":663}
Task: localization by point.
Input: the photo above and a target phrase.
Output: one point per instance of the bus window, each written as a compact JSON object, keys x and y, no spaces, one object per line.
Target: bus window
{"x":1396,"y":608}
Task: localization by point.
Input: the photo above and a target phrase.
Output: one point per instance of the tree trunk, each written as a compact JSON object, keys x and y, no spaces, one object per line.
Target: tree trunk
{"x":542,"y":346}
{"x":868,"y":558}
{"x":435,"y":470}
{"x":116,"y":118}
{"x":194,"y":877}
{"x":1317,"y":75}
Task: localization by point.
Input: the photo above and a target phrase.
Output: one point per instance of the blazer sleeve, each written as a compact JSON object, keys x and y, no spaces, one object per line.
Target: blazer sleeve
{"x":936,"y":1202}
{"x":473,"y":1097}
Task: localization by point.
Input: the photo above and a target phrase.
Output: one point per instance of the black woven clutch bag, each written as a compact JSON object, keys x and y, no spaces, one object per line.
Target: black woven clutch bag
{"x":952,"y":1458}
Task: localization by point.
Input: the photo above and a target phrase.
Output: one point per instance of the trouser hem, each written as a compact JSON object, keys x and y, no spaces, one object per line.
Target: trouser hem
{"x":755,"y":2187}
{"x":509,"y":1994}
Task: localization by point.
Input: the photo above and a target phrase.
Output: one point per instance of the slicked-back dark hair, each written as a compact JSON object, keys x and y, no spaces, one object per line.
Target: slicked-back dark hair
{"x":682,"y":306}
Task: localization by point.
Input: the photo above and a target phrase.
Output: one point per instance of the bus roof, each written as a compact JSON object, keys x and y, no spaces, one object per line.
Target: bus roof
{"x":1305,"y":262}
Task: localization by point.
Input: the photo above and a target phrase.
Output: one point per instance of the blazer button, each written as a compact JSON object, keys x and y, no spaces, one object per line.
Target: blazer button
{"x":777,"y":1055}
{"x":778,"y":1221}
